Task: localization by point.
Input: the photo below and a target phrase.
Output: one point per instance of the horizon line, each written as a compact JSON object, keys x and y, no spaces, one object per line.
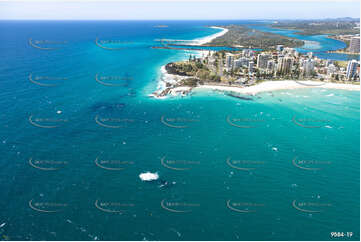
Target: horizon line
{"x":253,"y":19}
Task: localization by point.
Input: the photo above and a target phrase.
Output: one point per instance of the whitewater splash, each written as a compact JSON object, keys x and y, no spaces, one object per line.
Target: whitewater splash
{"x":148,"y":176}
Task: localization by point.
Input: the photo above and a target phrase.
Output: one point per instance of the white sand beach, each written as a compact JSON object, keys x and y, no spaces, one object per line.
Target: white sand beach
{"x":207,"y":39}
{"x":268,"y":86}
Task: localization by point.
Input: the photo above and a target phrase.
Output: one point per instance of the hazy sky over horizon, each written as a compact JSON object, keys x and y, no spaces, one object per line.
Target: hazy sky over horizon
{"x":192,"y":10}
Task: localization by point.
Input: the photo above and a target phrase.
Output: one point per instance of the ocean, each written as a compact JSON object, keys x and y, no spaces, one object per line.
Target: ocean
{"x":78,"y":127}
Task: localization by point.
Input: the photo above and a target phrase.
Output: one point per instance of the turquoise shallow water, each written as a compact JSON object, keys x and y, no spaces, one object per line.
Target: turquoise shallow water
{"x":283,"y":166}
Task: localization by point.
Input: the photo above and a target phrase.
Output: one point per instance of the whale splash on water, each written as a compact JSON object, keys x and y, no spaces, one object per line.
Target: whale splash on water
{"x":154,"y":177}
{"x":148,"y":176}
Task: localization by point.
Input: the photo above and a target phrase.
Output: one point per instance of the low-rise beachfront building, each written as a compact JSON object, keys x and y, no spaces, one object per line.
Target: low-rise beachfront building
{"x":331,"y":69}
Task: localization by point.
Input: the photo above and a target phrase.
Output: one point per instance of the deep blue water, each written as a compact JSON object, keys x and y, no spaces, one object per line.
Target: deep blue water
{"x":283,"y":166}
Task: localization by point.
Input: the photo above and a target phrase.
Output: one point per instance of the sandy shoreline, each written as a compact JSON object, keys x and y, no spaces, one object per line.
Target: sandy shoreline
{"x":207,"y":39}
{"x":268,"y":86}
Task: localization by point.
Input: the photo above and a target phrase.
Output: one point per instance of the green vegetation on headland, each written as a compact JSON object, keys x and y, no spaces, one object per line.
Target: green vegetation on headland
{"x":240,"y":35}
{"x":184,"y":68}
{"x":191,"y":82}
{"x":195,"y":70}
{"x":315,"y":27}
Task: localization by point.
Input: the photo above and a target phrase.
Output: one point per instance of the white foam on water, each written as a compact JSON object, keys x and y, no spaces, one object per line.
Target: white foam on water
{"x":330,"y":95}
{"x":149,"y":176}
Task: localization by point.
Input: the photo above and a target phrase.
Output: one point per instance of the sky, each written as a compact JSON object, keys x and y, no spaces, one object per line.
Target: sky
{"x":175,"y":10}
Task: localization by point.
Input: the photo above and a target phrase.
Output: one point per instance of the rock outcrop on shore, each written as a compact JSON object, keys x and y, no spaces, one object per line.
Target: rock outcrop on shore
{"x":171,"y":68}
